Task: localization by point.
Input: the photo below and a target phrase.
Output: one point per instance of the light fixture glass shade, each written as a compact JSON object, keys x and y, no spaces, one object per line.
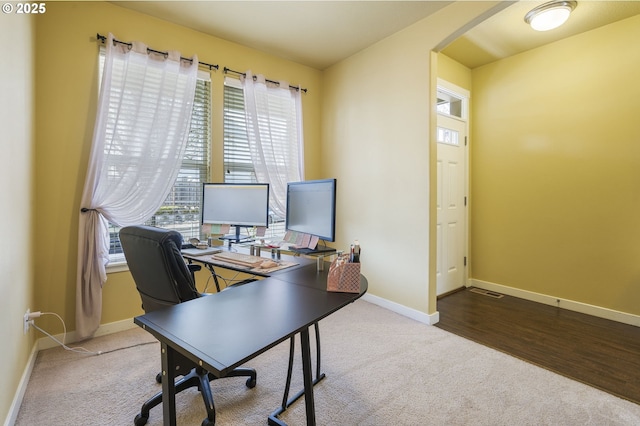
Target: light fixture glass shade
{"x":549,"y":15}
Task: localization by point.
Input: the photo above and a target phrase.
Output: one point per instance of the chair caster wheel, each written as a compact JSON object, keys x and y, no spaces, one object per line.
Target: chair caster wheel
{"x":207,"y":422}
{"x":140,"y":420}
{"x":159,"y":377}
{"x":251,"y":383}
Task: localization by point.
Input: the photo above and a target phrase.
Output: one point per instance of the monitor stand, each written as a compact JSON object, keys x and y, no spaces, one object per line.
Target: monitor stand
{"x":236,"y":238}
{"x":317,"y":250}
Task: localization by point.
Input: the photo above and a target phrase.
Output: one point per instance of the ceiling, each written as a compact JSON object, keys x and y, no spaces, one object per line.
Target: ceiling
{"x":506,"y":34}
{"x":314,"y":33}
{"x":322,"y":33}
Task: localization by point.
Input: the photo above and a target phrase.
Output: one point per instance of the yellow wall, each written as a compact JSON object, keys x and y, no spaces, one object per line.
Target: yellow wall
{"x":17,"y":142}
{"x":376,"y":141}
{"x":454,"y":72}
{"x":66,"y":58}
{"x":556,"y":169}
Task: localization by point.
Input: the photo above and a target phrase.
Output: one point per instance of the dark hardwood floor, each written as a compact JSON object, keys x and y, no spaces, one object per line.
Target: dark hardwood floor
{"x":601,"y":353}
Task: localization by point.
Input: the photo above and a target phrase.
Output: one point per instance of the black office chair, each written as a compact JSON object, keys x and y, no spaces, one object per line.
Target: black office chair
{"x":164,"y":279}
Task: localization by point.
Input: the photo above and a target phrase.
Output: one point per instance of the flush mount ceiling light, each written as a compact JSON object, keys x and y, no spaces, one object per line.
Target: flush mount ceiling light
{"x":550,"y":15}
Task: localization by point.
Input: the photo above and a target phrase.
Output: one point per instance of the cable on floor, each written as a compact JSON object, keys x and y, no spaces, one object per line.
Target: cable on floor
{"x":77,"y":349}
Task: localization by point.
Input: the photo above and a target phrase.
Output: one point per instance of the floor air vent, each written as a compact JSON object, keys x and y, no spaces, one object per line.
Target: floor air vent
{"x":487,"y":293}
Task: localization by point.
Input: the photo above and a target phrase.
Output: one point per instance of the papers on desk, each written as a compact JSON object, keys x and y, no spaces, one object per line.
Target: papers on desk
{"x":200,"y":252}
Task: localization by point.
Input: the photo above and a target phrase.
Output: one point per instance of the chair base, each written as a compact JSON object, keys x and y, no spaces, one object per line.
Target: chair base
{"x":200,"y":378}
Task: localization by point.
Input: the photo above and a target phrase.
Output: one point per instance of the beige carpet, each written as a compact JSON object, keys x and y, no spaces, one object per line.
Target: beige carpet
{"x":382,"y":369}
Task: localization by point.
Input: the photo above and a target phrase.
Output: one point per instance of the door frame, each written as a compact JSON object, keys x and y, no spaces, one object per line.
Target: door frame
{"x":465,"y":96}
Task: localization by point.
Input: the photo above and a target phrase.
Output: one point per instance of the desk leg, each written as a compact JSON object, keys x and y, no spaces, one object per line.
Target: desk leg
{"x":319,"y":374}
{"x":167,"y":356}
{"x":286,"y":402}
{"x":214,"y":275}
{"x":307,"y":377}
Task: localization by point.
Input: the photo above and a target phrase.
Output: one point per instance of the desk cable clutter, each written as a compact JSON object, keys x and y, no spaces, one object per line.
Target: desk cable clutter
{"x":344,"y":272}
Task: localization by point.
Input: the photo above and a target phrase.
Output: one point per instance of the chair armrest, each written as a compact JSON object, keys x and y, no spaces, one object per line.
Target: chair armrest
{"x":194,"y":268}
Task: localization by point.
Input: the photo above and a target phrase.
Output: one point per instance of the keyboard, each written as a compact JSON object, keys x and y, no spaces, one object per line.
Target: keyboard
{"x":239,"y":258}
{"x":200,"y":252}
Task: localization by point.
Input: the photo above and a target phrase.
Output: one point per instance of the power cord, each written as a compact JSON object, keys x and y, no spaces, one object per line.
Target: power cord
{"x":78,"y":349}
{"x":206,"y":285}
{"x":228,"y":282}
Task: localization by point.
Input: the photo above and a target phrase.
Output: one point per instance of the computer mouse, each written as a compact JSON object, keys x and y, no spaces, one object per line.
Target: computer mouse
{"x":268,"y":264}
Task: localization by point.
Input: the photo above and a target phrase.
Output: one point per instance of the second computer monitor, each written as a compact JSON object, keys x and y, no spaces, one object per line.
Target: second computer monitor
{"x":311,"y":208}
{"x":238,"y":205}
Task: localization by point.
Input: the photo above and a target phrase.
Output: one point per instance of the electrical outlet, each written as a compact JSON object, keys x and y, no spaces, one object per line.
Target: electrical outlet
{"x":26,"y":320}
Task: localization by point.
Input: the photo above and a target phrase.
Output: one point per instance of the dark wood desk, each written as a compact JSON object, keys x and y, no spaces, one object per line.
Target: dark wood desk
{"x":243,"y":322}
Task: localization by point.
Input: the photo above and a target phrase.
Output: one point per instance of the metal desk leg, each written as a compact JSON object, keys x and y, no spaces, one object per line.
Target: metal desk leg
{"x":286,"y":402}
{"x":319,"y":375}
{"x":308,"y":378}
{"x":167,"y":356}
{"x":215,"y":277}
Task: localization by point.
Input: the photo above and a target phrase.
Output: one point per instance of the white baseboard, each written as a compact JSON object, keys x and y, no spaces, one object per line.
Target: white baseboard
{"x":402,"y":310}
{"x":12,"y":415}
{"x":571,"y":305}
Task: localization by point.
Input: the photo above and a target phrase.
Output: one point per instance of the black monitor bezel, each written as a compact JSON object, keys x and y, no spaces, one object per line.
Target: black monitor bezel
{"x":330,"y":238}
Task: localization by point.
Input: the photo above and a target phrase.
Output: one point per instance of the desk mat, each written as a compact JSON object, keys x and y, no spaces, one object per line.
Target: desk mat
{"x":282,"y":265}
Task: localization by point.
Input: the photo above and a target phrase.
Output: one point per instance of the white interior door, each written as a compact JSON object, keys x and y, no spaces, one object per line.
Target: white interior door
{"x":451,"y":203}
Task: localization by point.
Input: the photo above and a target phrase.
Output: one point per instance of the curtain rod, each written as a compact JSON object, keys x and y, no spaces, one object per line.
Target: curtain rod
{"x":103,"y":39}
{"x":226,"y":70}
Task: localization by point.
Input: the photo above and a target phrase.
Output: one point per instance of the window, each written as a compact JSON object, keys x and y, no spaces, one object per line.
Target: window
{"x":447,"y":136}
{"x":181,"y":209}
{"x":238,"y":166}
{"x":450,"y":104}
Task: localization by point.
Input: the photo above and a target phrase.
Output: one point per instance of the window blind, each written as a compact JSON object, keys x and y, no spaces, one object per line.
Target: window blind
{"x":238,"y":166}
{"x":181,"y":209}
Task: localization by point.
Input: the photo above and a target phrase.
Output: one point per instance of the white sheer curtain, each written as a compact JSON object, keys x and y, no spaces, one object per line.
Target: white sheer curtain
{"x":139,"y":139}
{"x":274,"y":127}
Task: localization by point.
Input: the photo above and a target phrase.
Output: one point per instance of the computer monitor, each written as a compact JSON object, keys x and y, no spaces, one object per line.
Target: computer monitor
{"x":311,"y":208}
{"x":236,"y":204}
